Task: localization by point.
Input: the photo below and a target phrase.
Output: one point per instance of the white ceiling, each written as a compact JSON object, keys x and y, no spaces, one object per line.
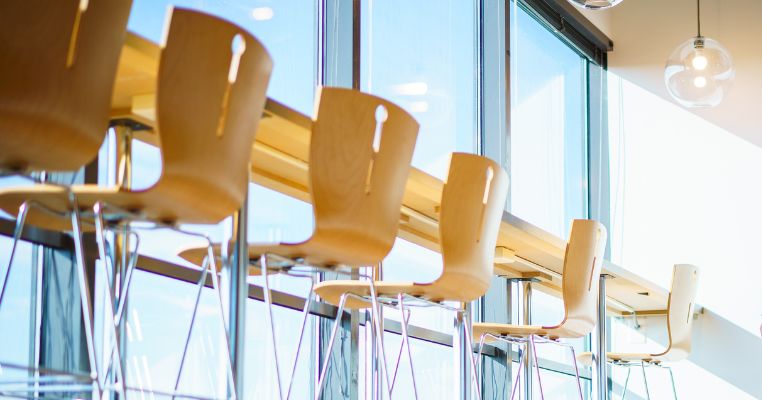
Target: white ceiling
{"x":646,"y":31}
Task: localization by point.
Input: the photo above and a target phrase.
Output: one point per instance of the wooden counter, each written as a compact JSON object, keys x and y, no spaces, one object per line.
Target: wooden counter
{"x":280,"y":158}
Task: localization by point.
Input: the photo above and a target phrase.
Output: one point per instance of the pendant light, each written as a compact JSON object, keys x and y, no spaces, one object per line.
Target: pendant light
{"x":700,"y":71}
{"x":595,"y":4}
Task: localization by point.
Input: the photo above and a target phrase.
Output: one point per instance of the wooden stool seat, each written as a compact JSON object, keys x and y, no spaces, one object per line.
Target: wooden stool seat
{"x":587,"y":358}
{"x":331,"y":291}
{"x":160,"y":203}
{"x":508,"y":330}
{"x":319,"y":251}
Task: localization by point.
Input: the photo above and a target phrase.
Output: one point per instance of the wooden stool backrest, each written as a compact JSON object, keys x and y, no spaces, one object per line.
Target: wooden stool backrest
{"x":59,"y":60}
{"x":682,"y":300}
{"x":212,"y":89}
{"x":360,"y":153}
{"x":582,"y":268}
{"x":473,"y":200}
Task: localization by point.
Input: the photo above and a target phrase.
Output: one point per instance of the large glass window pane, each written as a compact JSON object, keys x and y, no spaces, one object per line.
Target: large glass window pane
{"x":16,"y":310}
{"x":155,"y":339}
{"x":286,"y":28}
{"x":548,"y":157}
{"x":421,"y":55}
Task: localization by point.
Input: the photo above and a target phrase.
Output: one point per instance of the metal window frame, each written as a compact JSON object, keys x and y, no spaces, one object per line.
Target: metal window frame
{"x":492,"y":139}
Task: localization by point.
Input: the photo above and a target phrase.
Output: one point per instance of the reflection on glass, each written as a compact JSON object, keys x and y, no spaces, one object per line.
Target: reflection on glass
{"x":16,"y":310}
{"x":155,"y":337}
{"x":431,"y":76}
{"x":286,"y":28}
{"x":432,"y":363}
{"x":548,"y":156}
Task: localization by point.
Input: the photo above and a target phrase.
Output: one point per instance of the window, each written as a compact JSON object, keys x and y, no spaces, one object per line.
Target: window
{"x":548,"y":139}
{"x":422,"y":56}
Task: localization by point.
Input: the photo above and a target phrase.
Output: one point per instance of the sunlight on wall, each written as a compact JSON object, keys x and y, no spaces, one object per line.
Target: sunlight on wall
{"x":686,"y":191}
{"x":537,"y":165}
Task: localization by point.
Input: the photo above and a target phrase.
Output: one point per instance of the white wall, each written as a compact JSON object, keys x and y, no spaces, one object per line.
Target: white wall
{"x":646,"y":31}
{"x":687,"y":185}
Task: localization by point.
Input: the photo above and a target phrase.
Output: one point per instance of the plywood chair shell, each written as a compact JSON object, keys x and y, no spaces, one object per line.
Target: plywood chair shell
{"x":207,"y":121}
{"x":582,"y":267}
{"x":682,"y":297}
{"x":473,"y":199}
{"x":206,"y":126}
{"x":357,"y":186}
{"x":58,"y":67}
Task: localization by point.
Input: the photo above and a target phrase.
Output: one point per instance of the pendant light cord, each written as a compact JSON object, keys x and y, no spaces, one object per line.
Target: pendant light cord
{"x":698,"y":16}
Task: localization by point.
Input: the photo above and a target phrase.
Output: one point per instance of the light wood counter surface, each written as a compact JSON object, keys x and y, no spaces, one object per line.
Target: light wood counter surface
{"x":280,"y":158}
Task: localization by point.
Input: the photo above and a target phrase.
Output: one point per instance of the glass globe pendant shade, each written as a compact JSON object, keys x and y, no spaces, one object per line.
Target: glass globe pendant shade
{"x":595,"y":4}
{"x":699,"y":73}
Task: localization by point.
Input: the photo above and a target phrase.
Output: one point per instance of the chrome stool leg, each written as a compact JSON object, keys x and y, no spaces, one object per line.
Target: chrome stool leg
{"x":645,"y":379}
{"x":375,"y":317}
{"x":197,"y":302}
{"x":467,"y":331}
{"x":399,"y":352}
{"x":20,"y":220}
{"x":576,"y":371}
{"x":626,"y":382}
{"x":536,"y":365}
{"x":270,"y":323}
{"x":305,"y":316}
{"x":672,"y":379}
{"x":334,"y":331}
{"x":406,"y":342}
{"x":515,"y":383}
{"x":115,"y":350}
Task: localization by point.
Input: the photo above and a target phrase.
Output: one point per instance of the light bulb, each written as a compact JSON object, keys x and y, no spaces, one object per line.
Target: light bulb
{"x":699,"y":62}
{"x":699,"y":73}
{"x":595,"y":4}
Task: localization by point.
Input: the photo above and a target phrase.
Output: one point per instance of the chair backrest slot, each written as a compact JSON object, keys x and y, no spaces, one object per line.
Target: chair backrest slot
{"x":75,"y":33}
{"x":238,"y":47}
{"x":381,"y":116}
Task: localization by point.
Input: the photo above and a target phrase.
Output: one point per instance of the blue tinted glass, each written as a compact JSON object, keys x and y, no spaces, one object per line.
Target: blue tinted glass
{"x":286,"y":28}
{"x":548,"y":159}
{"x":16,"y":310}
{"x":421,"y":55}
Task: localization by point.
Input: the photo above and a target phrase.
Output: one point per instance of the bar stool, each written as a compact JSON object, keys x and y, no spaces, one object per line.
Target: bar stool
{"x":59,"y":63}
{"x":579,"y":286}
{"x":680,"y":307}
{"x":212,"y":84}
{"x":360,"y":153}
{"x":471,"y":211}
